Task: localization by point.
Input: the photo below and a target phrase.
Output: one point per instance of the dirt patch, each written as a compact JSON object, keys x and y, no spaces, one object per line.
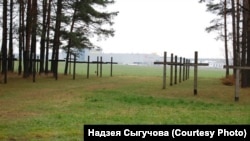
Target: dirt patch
{"x":228,"y":81}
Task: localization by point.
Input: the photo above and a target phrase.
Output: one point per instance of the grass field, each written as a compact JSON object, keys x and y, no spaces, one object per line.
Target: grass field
{"x":53,"y":110}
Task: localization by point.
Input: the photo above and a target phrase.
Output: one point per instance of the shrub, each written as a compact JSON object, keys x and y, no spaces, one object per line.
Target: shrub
{"x":229,"y":81}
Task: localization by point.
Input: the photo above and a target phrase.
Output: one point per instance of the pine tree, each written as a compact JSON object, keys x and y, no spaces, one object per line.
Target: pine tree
{"x":4,"y":42}
{"x":91,"y":21}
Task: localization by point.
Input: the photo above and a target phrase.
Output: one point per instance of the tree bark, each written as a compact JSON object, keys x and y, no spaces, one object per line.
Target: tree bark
{"x":33,"y":41}
{"x":225,"y":37}
{"x":48,"y":39}
{"x":57,"y":39}
{"x":21,"y":35}
{"x":43,"y":36}
{"x":234,"y":36}
{"x":244,"y":45}
{"x":4,"y":42}
{"x":10,"y":54}
{"x":69,"y":44}
{"x":28,"y":36}
{"x":248,"y":44}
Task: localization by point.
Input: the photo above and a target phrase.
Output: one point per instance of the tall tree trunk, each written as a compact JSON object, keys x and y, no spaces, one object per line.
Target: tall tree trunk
{"x":238,"y":49}
{"x":4,"y":42}
{"x":28,"y":36}
{"x":48,"y":39}
{"x":244,"y":45}
{"x":10,"y":54}
{"x":234,"y":36}
{"x":69,"y":44}
{"x":20,"y":37}
{"x":225,"y":38}
{"x":43,"y":36}
{"x":57,"y":39}
{"x":248,"y":43}
{"x":33,"y":41}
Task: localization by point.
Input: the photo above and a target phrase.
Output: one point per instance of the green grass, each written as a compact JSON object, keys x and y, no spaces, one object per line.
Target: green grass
{"x":57,"y":110}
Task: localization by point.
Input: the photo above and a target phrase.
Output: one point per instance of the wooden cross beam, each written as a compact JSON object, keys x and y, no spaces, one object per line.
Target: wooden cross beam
{"x":237,"y":81}
{"x":171,"y":63}
{"x":185,"y":63}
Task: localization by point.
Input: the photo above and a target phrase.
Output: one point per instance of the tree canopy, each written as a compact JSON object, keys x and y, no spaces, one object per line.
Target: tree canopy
{"x":56,"y":25}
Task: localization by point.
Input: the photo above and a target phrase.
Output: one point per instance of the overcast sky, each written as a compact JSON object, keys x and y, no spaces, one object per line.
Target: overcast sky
{"x":155,"y":26}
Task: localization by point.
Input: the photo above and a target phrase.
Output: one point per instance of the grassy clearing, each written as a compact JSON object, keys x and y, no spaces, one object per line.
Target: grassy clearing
{"x":57,"y":110}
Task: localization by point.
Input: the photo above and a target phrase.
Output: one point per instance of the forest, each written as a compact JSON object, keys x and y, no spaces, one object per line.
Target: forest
{"x":232,"y":23}
{"x":44,"y":26}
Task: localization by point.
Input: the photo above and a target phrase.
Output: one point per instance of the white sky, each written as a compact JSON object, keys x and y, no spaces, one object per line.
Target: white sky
{"x":155,"y":26}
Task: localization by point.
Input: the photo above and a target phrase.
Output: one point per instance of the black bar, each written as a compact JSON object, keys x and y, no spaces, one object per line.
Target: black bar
{"x":206,"y":132}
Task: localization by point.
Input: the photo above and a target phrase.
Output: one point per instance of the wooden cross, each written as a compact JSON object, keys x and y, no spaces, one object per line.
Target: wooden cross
{"x":195,"y":65}
{"x":237,"y":81}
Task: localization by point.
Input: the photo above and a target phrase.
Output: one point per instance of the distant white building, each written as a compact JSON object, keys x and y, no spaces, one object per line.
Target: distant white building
{"x":120,"y":58}
{"x":135,"y":58}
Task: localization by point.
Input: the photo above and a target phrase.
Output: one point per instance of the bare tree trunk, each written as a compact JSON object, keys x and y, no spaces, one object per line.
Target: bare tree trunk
{"x":248,"y":43}
{"x":238,"y":49}
{"x":43,"y":36}
{"x":225,"y":32}
{"x":33,"y":41}
{"x":57,"y":39}
{"x":47,"y":39}
{"x":10,"y":55}
{"x":234,"y":36}
{"x":28,"y":36}
{"x":69,"y":44}
{"x":4,"y":42}
{"x":244,"y":45}
{"x":21,"y":34}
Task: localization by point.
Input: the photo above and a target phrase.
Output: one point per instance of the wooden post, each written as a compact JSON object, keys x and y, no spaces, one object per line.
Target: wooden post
{"x":237,"y":85}
{"x":184,"y":68}
{"x":70,"y":63}
{"x":101,"y":66}
{"x":187,"y":62}
{"x":88,"y":67}
{"x":97,"y":66}
{"x":171,"y":70}
{"x":13,"y":63}
{"x":111,"y":67}
{"x":164,"y":70}
{"x":175,"y":70}
{"x":5,"y":72}
{"x":37,"y":63}
{"x":180,"y":70}
{"x":195,"y":71}
{"x":237,"y":79}
{"x":34,"y":66}
{"x":74,"y":67}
